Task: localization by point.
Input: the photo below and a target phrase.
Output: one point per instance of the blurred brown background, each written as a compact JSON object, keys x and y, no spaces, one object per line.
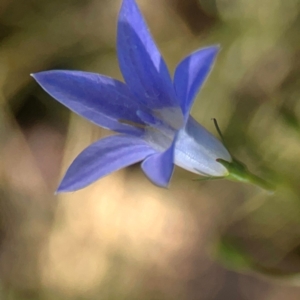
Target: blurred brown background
{"x":123,"y":238}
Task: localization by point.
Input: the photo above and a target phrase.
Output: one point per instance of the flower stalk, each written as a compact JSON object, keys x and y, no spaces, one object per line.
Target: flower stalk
{"x":239,"y":172}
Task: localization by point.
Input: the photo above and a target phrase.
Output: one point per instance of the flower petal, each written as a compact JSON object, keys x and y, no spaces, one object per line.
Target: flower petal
{"x":159,"y":167}
{"x":102,"y":100}
{"x":142,"y":66}
{"x":191,"y":73}
{"x":102,"y":158}
{"x":197,"y":150}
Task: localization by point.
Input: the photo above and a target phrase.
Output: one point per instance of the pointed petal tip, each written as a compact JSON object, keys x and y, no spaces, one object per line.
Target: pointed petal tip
{"x":212,"y":48}
{"x":60,"y":191}
{"x":208,"y":50}
{"x":34,"y":75}
{"x":160,"y":184}
{"x":164,"y":185}
{"x":57,"y":192}
{"x":217,"y":46}
{"x":155,"y":176}
{"x":67,"y":187}
{"x":127,"y":7}
{"x":37,"y":75}
{"x":62,"y":188}
{"x":128,"y":2}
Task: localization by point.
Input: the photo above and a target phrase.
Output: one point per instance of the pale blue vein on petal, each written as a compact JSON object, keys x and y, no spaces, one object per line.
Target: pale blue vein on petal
{"x":102,"y":158}
{"x":159,"y":167}
{"x":100,"y":99}
{"x":190,"y":75}
{"x":141,"y":64}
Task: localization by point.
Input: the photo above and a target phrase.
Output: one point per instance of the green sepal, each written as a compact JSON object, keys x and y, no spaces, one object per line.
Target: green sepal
{"x":237,"y":171}
{"x":208,"y":178}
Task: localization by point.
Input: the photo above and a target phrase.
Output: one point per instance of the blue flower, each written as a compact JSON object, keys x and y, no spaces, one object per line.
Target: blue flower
{"x":150,"y":112}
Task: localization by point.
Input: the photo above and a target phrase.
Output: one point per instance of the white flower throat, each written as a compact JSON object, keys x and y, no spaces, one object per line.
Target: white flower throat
{"x":196,"y":149}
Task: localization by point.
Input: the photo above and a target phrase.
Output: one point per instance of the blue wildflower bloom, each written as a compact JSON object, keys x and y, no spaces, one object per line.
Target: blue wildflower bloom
{"x":150,"y":112}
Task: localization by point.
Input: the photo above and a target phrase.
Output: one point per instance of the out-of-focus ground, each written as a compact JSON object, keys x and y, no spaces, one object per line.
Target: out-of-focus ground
{"x":123,"y":238}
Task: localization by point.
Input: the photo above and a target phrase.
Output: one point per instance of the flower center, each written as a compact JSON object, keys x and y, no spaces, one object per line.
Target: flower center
{"x":161,"y":126}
